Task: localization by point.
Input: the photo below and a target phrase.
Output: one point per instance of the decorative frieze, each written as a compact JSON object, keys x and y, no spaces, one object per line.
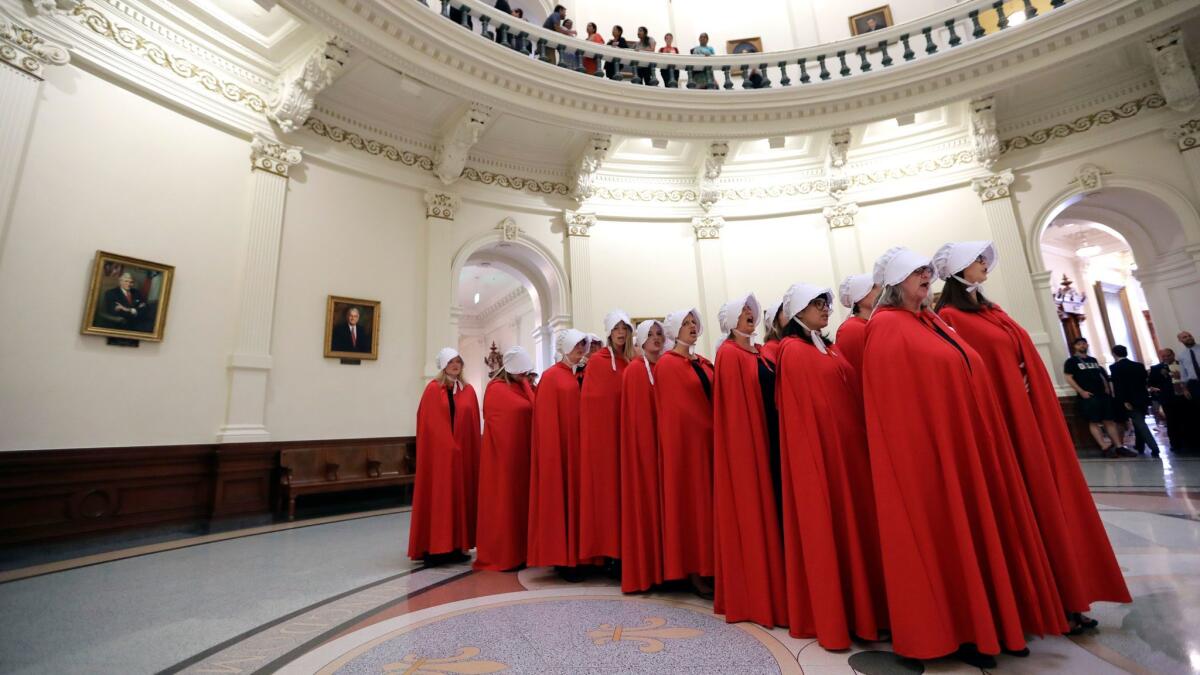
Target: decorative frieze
{"x":441,"y":205}
{"x":993,"y":186}
{"x":579,"y":223}
{"x":594,"y":154}
{"x":1186,"y":135}
{"x":984,"y":139}
{"x":297,"y":91}
{"x":707,"y":227}
{"x":840,"y":215}
{"x":451,"y":156}
{"x":1176,"y":78}
{"x":270,"y":155}
{"x":1086,"y":123}
{"x":27,"y":51}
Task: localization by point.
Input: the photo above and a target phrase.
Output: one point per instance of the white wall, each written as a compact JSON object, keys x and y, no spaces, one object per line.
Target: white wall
{"x":107,"y":169}
{"x":647,"y":269}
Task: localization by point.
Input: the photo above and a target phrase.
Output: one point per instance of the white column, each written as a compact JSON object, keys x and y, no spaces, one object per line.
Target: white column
{"x":250,"y":363}
{"x":23,"y":55}
{"x":1016,"y":292}
{"x":710,"y":271}
{"x":844,"y":248}
{"x":441,"y":317}
{"x":579,"y":266}
{"x":1055,"y":353}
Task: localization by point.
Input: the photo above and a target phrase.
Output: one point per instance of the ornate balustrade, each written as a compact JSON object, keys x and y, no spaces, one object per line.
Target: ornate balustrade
{"x":929,"y":37}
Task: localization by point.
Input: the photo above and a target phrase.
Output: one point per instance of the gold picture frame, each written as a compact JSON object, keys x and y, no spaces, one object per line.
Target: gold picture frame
{"x":859,"y":23}
{"x":750,"y":45}
{"x":348,"y":344}
{"x":127,"y":298}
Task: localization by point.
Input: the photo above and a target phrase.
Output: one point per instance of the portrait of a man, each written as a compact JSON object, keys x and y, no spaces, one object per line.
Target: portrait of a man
{"x":127,"y":297}
{"x":871,"y":20}
{"x":351,"y":328}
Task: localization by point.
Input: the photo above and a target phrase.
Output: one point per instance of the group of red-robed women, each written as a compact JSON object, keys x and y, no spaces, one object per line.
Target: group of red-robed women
{"x":915,"y":477}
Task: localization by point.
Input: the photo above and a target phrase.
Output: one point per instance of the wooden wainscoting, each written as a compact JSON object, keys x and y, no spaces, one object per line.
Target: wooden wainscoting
{"x":1077,"y":425}
{"x":51,"y":494}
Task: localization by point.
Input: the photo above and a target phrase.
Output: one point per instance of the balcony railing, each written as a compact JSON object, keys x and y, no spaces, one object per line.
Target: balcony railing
{"x":890,"y":48}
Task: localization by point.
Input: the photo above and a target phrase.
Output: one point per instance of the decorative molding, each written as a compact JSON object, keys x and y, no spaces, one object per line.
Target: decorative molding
{"x":984,"y":140}
{"x":594,"y":154}
{"x":622,"y":194}
{"x":28,"y":51}
{"x":579,"y":223}
{"x":509,"y":230}
{"x":451,"y":156}
{"x":993,"y":186}
{"x":40,"y":7}
{"x":841,"y":215}
{"x":710,"y":171}
{"x":1086,"y":123}
{"x":268,"y":154}
{"x":1176,"y":78}
{"x":707,"y":227}
{"x":441,"y":204}
{"x":156,"y":54}
{"x":1186,"y":135}
{"x":1088,"y":177}
{"x":298,"y":90}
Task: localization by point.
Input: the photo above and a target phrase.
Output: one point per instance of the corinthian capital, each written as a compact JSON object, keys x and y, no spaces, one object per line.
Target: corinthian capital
{"x":26,"y":50}
{"x":993,"y":186}
{"x":707,"y":227}
{"x":579,"y":223}
{"x":268,"y":154}
{"x":441,"y":205}
{"x":841,"y":215}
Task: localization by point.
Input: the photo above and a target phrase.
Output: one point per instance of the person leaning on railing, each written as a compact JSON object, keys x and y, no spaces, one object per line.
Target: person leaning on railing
{"x":554,"y":22}
{"x":700,"y":77}
{"x":618,"y":40}
{"x":645,"y":43}
{"x":589,"y":64}
{"x":670,"y":73}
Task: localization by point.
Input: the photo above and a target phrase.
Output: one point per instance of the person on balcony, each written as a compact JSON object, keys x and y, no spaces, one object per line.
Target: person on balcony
{"x":645,"y":43}
{"x":669,"y":74}
{"x":700,"y":78}
{"x":569,"y":59}
{"x":554,"y":22}
{"x":593,"y":35}
{"x":618,"y":40}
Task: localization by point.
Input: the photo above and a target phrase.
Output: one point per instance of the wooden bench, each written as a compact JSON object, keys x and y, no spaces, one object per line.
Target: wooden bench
{"x":337,"y":468}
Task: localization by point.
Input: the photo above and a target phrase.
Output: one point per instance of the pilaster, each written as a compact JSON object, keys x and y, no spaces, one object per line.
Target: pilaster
{"x":710,"y":271}
{"x":1187,"y":139}
{"x":1054,"y":352}
{"x":250,"y":363}
{"x":441,"y":321}
{"x":578,"y":226}
{"x":844,"y":248}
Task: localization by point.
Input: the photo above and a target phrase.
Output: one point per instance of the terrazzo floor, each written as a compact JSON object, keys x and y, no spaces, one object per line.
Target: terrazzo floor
{"x":338,"y":596}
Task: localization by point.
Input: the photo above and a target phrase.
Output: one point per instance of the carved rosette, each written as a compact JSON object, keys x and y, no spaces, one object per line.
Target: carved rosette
{"x":841,"y":215}
{"x":268,"y":154}
{"x":1186,"y":135}
{"x":994,"y":186}
{"x":27,"y":51}
{"x":579,"y":224}
{"x":441,"y":205}
{"x":707,"y":227}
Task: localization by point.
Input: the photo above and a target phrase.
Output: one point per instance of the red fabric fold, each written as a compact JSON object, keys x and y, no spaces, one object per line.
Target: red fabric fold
{"x":1081,"y":555}
{"x":641,"y":503}
{"x":554,"y":471}
{"x":748,"y":542}
{"x":441,"y":501}
{"x":834,"y":573}
{"x":851,"y":339}
{"x":600,"y":453}
{"x":503,"y":514}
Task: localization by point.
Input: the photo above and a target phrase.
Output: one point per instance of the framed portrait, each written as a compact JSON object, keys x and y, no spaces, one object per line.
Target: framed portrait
{"x":127,"y":298}
{"x":752,"y":45}
{"x":871,"y":20}
{"x":351,"y":328}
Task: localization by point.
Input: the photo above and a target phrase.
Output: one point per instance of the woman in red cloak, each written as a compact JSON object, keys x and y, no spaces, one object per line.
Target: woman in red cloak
{"x":504,"y":496}
{"x":641,"y":504}
{"x":858,"y":293}
{"x":554,"y":464}
{"x":834,"y":574}
{"x":447,"y":437}
{"x":965,"y":567}
{"x":748,"y":544}
{"x":600,"y":443}
{"x":774,"y":331}
{"x":1084,"y":564}
{"x":683,"y":393}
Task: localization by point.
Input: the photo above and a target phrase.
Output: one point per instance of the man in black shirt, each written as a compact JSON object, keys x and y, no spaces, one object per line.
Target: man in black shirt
{"x":1131,"y":398}
{"x":1087,"y":377}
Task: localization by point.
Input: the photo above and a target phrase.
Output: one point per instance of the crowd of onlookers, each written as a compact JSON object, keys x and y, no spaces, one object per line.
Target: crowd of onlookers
{"x":559,"y":22}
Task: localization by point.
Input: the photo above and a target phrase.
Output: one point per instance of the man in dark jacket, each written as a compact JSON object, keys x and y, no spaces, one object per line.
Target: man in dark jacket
{"x":1131,"y":398}
{"x":1168,"y":389}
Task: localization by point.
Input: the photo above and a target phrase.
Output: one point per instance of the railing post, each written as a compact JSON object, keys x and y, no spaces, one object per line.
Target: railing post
{"x":1003,"y":18}
{"x":805,"y":78}
{"x":579,"y":61}
{"x":909,"y":54}
{"x":653,"y":81}
{"x":978,"y":31}
{"x":691,"y":73}
{"x":562,"y":52}
{"x":615,"y":70}
{"x":464,"y":19}
{"x":745,"y":77}
{"x":541,"y":49}
{"x":1030,"y":10}
{"x":784,"y":80}
{"x":844,"y":71}
{"x":864,"y":65}
{"x":725,"y":70}
{"x":484,"y":20}
{"x":671,"y":77}
{"x":766,"y":77}
{"x":824,"y":71}
{"x":887,"y":58}
{"x":446,"y":8}
{"x":599,"y":65}
{"x":1057,"y":3}
{"x":954,"y":39}
{"x":712,"y":80}
{"x":930,"y":47}
{"x":636,"y":79}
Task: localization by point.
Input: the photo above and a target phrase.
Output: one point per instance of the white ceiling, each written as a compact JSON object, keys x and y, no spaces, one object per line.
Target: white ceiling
{"x":1069,"y":234}
{"x":492,"y":285}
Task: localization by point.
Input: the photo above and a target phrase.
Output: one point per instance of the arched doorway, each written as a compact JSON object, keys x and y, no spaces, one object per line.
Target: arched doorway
{"x":522,"y":297}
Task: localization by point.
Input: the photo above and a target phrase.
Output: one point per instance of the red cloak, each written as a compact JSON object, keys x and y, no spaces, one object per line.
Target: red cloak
{"x":439,"y":522}
{"x":1084,"y":564}
{"x":504,"y":496}
{"x":685,"y":443}
{"x":834,"y":573}
{"x":962,"y":556}
{"x":599,"y":453}
{"x":770,"y":350}
{"x":554,"y":470}
{"x":851,"y":338}
{"x":748,"y":544}
{"x":641,"y":504}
